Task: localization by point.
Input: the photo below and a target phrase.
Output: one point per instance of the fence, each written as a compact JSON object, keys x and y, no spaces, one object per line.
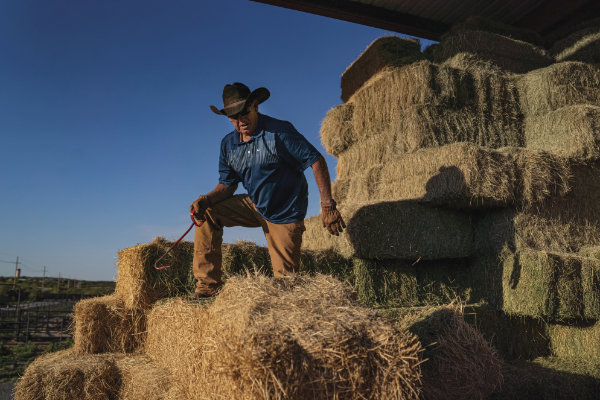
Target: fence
{"x":47,"y":320}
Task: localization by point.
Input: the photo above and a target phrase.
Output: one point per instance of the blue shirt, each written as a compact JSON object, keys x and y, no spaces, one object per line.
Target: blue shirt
{"x":271,"y":167}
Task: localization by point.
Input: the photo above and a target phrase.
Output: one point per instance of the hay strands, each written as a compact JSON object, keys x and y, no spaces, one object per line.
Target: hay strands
{"x":178,"y":240}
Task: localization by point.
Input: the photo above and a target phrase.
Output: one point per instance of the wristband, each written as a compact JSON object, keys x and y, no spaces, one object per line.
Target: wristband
{"x":333,"y":202}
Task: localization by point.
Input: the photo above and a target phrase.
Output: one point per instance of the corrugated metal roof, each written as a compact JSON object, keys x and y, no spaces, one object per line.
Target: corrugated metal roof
{"x":431,"y":18}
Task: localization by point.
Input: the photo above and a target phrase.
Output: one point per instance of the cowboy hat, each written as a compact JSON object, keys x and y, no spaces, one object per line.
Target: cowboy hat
{"x":237,"y":96}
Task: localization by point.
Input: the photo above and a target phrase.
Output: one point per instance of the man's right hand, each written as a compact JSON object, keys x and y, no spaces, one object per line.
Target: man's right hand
{"x":199,"y":207}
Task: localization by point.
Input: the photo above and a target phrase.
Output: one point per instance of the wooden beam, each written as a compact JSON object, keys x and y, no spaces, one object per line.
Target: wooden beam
{"x":365,"y":14}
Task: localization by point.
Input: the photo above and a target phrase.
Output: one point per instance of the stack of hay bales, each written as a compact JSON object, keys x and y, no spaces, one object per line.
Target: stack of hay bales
{"x":476,"y":174}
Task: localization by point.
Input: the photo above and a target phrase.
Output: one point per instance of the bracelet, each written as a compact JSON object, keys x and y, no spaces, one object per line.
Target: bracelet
{"x":333,"y":202}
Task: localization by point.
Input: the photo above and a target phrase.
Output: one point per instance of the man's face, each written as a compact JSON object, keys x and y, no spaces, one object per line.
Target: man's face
{"x":246,"y":124}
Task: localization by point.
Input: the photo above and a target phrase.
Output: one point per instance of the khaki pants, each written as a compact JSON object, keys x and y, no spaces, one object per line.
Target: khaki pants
{"x":284,"y":241}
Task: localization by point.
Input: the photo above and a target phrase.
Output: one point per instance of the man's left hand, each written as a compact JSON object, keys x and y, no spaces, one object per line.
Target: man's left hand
{"x":332,"y":219}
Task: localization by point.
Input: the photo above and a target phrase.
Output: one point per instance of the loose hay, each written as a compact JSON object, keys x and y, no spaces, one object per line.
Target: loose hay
{"x":551,"y":285}
{"x":385,"y":52}
{"x":506,"y":53}
{"x":105,"y":325}
{"x":572,"y":131}
{"x":460,"y":363}
{"x":559,"y":85}
{"x":293,"y":337}
{"x":459,"y":175}
{"x":392,"y":230}
{"x":65,"y":375}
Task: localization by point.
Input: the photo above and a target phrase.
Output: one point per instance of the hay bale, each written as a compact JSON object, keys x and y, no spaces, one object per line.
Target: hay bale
{"x":477,"y":23}
{"x":382,"y":53}
{"x":559,"y":85}
{"x":572,"y":131}
{"x":293,"y":337}
{"x":506,"y":53}
{"x":400,"y":283}
{"x":576,"y":340}
{"x":454,"y":91}
{"x":140,"y":284}
{"x":549,"y":378}
{"x":392,"y":230}
{"x":459,"y":175}
{"x":243,"y":256}
{"x":141,"y":378}
{"x":105,"y":325}
{"x":583,"y":45}
{"x":563,"y":224}
{"x":337,"y":130}
{"x":459,"y":364}
{"x":551,"y":285}
{"x":66,"y":375}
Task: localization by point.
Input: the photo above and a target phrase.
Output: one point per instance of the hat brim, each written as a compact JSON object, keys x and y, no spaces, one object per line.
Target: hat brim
{"x":260,"y":94}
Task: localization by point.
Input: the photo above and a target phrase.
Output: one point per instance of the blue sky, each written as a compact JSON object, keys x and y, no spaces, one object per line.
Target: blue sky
{"x":106,"y":135}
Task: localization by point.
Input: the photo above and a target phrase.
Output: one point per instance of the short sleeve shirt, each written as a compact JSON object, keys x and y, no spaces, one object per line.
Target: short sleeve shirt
{"x":271,"y":167}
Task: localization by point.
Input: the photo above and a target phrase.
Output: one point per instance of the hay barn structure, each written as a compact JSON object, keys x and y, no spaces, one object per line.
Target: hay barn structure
{"x":469,"y":177}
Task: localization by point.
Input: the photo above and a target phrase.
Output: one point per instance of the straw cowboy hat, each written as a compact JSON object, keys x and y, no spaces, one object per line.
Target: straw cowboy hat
{"x":237,"y":96}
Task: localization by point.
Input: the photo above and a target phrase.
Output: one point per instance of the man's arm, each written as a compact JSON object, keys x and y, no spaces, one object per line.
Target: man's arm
{"x":221,"y":192}
{"x":323,"y":180}
{"x":332,"y":220}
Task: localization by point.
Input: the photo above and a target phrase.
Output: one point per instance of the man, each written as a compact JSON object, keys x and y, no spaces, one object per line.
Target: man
{"x":268,"y":157}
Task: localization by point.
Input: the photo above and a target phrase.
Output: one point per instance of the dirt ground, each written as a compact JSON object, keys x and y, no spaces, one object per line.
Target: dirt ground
{"x":6,"y":390}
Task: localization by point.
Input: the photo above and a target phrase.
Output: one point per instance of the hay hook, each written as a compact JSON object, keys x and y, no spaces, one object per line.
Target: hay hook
{"x":178,"y":240}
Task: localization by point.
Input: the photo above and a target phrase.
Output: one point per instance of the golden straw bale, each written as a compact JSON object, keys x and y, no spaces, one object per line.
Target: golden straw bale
{"x":141,"y":378}
{"x":459,"y":175}
{"x":559,"y":85}
{"x":459,"y":363}
{"x":583,"y":45}
{"x":105,"y":325}
{"x":66,"y":375}
{"x":293,"y":337}
{"x":140,"y":284}
{"x":337,"y":130}
{"x":572,"y":131}
{"x":506,"y":53}
{"x":395,"y":230}
{"x":385,"y":52}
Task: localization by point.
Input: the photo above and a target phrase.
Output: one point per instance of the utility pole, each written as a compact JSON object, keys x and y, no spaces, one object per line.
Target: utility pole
{"x":43,"y":279}
{"x":16,"y":272}
{"x":58,"y":286}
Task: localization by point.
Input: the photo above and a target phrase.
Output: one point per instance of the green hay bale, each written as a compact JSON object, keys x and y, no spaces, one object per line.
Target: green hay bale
{"x":393,"y":230}
{"x":572,"y":131}
{"x":515,"y":337}
{"x":563,"y":224}
{"x":385,"y":52}
{"x":506,"y":53}
{"x":576,"y":340}
{"x":583,"y":45}
{"x":559,"y":85}
{"x":459,"y":364}
{"x":243,"y":256}
{"x":458,"y":175}
{"x":551,"y":285}
{"x":477,"y":23}
{"x":337,"y":130}
{"x":549,"y":378}
{"x":446,"y":89}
